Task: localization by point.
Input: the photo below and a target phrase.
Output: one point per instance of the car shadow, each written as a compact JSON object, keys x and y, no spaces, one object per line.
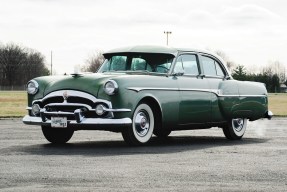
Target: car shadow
{"x":173,"y":144}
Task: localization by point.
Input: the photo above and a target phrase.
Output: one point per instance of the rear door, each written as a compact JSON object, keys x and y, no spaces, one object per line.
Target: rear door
{"x":214,"y":72}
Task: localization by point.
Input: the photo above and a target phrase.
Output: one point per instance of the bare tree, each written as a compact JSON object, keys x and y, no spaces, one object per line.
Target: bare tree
{"x":94,"y":62}
{"x":12,"y":57}
{"x":19,"y":64}
{"x":230,"y":64}
{"x":34,"y":66}
{"x":279,"y":69}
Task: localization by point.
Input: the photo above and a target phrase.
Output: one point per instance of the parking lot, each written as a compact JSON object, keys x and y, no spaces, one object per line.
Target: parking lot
{"x":199,"y":160}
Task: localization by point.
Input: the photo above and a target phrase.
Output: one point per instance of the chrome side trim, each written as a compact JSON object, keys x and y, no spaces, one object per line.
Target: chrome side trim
{"x":242,"y":95}
{"x":138,"y":89}
{"x":214,"y":91}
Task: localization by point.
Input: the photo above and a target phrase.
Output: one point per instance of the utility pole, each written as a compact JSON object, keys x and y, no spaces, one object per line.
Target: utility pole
{"x":51,"y":63}
{"x":167,"y":33}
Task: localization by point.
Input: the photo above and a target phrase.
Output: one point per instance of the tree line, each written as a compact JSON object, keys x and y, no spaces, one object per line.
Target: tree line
{"x":272,"y":80}
{"x":20,"y":64}
{"x":272,"y":75}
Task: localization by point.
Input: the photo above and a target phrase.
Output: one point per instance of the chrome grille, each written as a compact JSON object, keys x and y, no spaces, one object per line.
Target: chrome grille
{"x":66,"y":102}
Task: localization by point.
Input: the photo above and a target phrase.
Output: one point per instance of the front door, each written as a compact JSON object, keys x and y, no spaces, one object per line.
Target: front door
{"x":195,"y":97}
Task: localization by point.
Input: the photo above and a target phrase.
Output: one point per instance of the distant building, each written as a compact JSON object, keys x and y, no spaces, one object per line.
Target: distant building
{"x":283,"y":88}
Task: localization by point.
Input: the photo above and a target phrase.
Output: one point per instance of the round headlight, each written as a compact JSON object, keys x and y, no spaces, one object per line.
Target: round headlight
{"x":32,"y":87}
{"x":111,"y":87}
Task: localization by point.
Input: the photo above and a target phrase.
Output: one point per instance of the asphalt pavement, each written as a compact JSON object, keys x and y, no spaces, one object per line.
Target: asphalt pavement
{"x":198,"y":160}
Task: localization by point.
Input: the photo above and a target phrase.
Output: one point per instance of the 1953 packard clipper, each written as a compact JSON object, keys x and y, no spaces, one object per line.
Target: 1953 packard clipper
{"x":145,"y":90}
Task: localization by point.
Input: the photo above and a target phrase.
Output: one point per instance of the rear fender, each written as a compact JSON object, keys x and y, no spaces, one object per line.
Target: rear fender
{"x":243,"y":99}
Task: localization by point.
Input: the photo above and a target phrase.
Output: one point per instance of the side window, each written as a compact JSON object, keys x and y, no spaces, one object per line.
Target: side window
{"x":164,"y":67}
{"x":219,"y":71}
{"x":186,"y":64}
{"x":211,"y":67}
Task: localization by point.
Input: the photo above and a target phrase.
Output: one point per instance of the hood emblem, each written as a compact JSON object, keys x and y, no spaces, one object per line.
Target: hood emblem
{"x":65,"y":96}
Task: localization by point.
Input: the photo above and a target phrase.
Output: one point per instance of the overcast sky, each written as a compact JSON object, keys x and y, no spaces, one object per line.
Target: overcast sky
{"x":250,"y":32}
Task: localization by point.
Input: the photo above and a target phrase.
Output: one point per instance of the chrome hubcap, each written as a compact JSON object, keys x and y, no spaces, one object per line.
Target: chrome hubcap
{"x":142,"y":123}
{"x":237,"y":124}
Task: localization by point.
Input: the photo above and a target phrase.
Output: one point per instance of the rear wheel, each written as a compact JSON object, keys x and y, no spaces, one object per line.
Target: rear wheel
{"x":57,"y":135}
{"x":140,"y":132}
{"x":235,"y":128}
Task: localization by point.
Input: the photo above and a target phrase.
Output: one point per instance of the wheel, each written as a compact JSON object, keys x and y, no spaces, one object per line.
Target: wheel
{"x":235,"y":128}
{"x":140,"y":132}
{"x":161,"y":133}
{"x":57,"y":135}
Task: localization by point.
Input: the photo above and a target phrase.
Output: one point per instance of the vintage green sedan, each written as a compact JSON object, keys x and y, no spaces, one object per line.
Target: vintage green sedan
{"x":144,"y":90}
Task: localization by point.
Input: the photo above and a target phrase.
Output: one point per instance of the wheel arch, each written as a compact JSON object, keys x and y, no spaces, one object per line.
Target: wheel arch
{"x":156,"y":107}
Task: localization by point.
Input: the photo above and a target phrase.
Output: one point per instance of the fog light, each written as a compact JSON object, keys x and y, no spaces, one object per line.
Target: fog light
{"x":36,"y":109}
{"x":100,"y":109}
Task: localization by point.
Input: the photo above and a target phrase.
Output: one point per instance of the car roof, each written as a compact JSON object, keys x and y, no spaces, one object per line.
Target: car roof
{"x":152,"y":49}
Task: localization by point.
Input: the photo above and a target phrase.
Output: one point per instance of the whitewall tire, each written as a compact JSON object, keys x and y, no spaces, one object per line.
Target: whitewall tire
{"x":235,"y":128}
{"x":142,"y":126}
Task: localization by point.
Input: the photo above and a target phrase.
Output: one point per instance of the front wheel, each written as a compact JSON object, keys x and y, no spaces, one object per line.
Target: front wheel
{"x":140,"y":132}
{"x":57,"y":135}
{"x":235,"y":128}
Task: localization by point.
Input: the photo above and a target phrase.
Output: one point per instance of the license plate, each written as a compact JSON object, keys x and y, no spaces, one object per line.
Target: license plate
{"x":58,"y":121}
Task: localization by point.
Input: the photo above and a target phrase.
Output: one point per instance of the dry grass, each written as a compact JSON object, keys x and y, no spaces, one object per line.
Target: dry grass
{"x":13,"y":103}
{"x":278,"y":103}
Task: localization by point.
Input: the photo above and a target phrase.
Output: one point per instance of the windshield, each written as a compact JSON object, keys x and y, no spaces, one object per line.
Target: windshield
{"x":157,"y":63}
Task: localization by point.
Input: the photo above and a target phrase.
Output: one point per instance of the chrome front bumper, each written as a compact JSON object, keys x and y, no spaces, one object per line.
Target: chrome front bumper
{"x":86,"y":123}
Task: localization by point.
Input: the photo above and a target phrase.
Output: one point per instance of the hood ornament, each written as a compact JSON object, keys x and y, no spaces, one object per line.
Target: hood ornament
{"x":65,"y":96}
